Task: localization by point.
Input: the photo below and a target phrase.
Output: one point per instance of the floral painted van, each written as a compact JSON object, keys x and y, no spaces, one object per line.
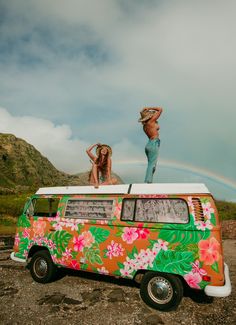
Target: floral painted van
{"x":164,"y":236}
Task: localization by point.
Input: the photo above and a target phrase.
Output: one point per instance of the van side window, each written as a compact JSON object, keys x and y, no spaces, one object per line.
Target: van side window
{"x":89,"y":209}
{"x":44,"y":207}
{"x":128,"y":209}
{"x":162,"y":210}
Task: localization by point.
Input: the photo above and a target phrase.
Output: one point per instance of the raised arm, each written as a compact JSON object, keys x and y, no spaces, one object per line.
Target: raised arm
{"x":156,"y":115}
{"x":89,"y":151}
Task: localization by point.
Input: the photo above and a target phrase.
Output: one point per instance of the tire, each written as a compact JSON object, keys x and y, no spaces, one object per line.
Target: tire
{"x":42,"y":268}
{"x":161,"y":291}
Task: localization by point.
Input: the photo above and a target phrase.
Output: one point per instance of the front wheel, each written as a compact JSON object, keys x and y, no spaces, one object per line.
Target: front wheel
{"x":42,"y":268}
{"x":161,"y":291}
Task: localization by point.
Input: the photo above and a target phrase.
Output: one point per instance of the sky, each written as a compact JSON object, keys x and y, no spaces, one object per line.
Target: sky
{"x":75,"y":72}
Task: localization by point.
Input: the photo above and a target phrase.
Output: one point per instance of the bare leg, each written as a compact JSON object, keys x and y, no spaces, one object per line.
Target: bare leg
{"x":94,"y":176}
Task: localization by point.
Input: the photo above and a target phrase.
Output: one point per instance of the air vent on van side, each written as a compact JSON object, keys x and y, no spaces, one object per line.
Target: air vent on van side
{"x":198,"y":211}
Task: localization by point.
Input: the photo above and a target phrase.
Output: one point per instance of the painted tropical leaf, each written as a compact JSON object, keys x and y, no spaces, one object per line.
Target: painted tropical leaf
{"x":80,"y":226}
{"x":61,"y":239}
{"x":105,"y":253}
{"x":121,"y":265}
{"x":213,"y":219}
{"x":189,"y":248}
{"x":84,"y":267}
{"x":110,"y":224}
{"x":23,"y":222}
{"x":24,"y":242}
{"x":99,"y":234}
{"x":134,"y":251}
{"x":74,"y":254}
{"x":215,"y":267}
{"x":152,"y":242}
{"x":96,"y":259}
{"x":92,"y":254}
{"x":202,"y":284}
{"x":117,"y":272}
{"x":205,"y":200}
{"x":119,"y":232}
{"x":174,"y":262}
{"x":183,"y":236}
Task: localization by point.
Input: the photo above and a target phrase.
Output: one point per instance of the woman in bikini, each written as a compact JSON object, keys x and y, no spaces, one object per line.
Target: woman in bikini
{"x":101,"y":165}
{"x":149,"y":117}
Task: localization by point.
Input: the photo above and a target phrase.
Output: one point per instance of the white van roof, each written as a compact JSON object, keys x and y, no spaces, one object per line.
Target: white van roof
{"x":154,"y":188}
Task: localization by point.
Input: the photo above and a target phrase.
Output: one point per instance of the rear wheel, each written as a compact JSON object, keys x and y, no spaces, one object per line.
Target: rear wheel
{"x":42,"y":268}
{"x":161,"y":291}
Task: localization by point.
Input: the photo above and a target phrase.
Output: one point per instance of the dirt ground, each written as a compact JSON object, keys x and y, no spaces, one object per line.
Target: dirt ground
{"x":78,"y":298}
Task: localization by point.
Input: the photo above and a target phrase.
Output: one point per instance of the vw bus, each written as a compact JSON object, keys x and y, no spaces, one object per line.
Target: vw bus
{"x":164,"y":236}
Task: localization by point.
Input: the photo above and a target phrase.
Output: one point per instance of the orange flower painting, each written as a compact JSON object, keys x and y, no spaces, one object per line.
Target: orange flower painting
{"x":209,"y":251}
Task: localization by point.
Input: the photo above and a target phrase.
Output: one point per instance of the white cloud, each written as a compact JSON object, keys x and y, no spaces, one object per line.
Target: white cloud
{"x":53,"y":141}
{"x":93,"y":64}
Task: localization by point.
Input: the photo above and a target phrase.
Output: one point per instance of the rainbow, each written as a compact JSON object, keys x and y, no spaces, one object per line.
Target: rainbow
{"x":187,"y":167}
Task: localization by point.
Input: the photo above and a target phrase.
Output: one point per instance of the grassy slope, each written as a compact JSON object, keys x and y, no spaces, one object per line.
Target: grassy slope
{"x":11,"y":207}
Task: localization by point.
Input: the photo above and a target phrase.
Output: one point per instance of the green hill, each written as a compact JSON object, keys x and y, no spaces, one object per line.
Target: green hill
{"x":23,"y":168}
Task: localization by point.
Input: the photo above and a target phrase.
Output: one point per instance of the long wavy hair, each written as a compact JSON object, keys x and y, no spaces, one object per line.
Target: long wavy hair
{"x":102,"y":165}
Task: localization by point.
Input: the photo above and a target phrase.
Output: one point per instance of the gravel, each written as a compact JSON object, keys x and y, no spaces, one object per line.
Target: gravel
{"x":81,"y":298}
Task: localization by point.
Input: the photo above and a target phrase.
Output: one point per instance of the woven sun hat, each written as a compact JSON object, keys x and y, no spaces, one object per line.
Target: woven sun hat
{"x":145,"y":115}
{"x":99,"y":148}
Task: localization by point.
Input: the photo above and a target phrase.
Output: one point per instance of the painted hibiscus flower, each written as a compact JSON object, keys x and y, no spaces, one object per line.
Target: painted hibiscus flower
{"x":203,"y":225}
{"x":129,"y":235}
{"x":209,"y":251}
{"x":161,"y":244}
{"x":207,"y":209}
{"x":88,"y":238}
{"x":114,"y":249}
{"x":197,"y":269}
{"x":142,"y":232}
{"x":193,"y":280}
{"x":74,"y":265}
{"x":79,"y":243}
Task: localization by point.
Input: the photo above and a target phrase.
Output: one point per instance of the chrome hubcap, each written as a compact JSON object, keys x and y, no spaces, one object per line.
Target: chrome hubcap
{"x":40,"y":267}
{"x":160,"y":290}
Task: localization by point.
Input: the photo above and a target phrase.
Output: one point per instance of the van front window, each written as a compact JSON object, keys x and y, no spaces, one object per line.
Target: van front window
{"x":44,"y":207}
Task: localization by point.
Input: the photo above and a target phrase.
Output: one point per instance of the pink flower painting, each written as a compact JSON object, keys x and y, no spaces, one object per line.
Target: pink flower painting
{"x":129,"y":235}
{"x":207,"y":209}
{"x":114,"y":249}
{"x":79,"y":243}
{"x":203,"y":225}
{"x":193,"y":280}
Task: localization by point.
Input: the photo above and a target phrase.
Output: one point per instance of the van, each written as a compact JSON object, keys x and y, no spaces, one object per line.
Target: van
{"x":164,"y":236}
